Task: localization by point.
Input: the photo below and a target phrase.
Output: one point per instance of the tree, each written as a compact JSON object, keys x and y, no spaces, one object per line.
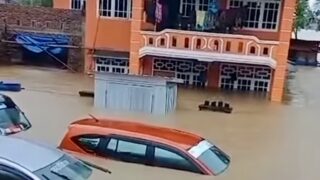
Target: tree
{"x":302,"y":16}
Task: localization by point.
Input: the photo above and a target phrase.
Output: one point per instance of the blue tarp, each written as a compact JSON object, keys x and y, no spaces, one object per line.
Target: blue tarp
{"x":39,"y":43}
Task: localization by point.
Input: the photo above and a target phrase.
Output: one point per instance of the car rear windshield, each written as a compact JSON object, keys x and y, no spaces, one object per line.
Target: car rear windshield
{"x":66,"y":168}
{"x":12,"y":119}
{"x":211,"y":156}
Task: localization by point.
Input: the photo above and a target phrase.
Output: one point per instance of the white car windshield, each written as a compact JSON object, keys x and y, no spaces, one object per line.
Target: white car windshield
{"x":211,"y":156}
{"x":12,"y":119}
{"x":66,"y":168}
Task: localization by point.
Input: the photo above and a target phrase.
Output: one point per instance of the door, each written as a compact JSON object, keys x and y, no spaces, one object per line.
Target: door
{"x":245,"y":77}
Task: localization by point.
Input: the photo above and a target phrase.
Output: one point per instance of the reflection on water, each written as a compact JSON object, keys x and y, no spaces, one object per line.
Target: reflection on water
{"x":265,"y":140}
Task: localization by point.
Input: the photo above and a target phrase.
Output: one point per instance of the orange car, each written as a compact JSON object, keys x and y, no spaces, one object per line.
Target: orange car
{"x":145,"y":144}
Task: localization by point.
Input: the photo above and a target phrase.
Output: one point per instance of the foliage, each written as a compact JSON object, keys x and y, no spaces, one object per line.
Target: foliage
{"x":303,"y":16}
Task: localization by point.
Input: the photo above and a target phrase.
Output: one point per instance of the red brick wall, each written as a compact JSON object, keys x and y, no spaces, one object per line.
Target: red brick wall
{"x":42,"y":20}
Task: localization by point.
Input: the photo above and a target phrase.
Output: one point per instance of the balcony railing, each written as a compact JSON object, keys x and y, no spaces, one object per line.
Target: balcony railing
{"x":210,"y":42}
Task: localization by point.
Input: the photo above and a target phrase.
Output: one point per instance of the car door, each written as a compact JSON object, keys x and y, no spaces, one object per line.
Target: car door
{"x":126,"y":149}
{"x":116,"y":147}
{"x":172,"y":158}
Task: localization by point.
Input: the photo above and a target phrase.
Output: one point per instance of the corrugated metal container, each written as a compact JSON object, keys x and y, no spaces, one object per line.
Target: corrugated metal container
{"x":123,"y":92}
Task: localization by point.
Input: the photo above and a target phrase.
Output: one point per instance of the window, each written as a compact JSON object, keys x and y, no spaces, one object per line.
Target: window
{"x":88,"y":143}
{"x":116,"y":8}
{"x":187,"y":6}
{"x":78,"y":4}
{"x":9,"y":173}
{"x":131,"y":148}
{"x":169,"y":159}
{"x":112,"y":65}
{"x":128,"y":151}
{"x":262,"y":14}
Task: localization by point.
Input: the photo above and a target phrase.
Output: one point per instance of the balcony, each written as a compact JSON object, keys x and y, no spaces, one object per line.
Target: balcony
{"x":205,"y":46}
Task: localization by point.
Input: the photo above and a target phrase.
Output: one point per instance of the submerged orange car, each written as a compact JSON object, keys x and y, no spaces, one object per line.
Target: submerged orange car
{"x":145,"y":144}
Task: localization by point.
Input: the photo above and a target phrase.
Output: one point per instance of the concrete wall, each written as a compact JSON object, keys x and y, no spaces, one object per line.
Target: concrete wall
{"x":41,"y":20}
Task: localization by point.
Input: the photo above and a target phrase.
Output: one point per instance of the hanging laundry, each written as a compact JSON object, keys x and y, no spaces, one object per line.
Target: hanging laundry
{"x":158,"y":14}
{"x":150,"y":8}
{"x":200,"y":20}
{"x":213,"y":6}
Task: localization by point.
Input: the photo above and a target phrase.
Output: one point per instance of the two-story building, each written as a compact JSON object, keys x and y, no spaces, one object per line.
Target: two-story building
{"x":229,"y":44}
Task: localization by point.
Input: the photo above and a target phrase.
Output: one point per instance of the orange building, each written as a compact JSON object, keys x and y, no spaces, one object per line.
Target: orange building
{"x":229,"y":44}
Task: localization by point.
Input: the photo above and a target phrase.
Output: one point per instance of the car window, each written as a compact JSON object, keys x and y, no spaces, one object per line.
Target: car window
{"x":126,"y":150}
{"x":89,"y":143}
{"x":8,"y":176}
{"x":65,"y":168}
{"x":171,"y":159}
{"x":112,"y":145}
{"x":8,"y":173}
{"x":132,"y":148}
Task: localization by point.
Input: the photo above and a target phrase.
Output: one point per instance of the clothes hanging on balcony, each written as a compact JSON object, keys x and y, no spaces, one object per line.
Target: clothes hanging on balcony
{"x":213,"y":7}
{"x":150,"y":8}
{"x":200,"y":20}
{"x":158,"y":13}
{"x":209,"y":21}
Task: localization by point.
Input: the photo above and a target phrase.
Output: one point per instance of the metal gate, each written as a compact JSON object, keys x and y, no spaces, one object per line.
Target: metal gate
{"x":245,"y":77}
{"x":112,"y":65}
{"x":193,"y":73}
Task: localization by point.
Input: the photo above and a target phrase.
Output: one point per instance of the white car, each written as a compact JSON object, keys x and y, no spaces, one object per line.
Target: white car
{"x":23,"y":159}
{"x":12,"y":119}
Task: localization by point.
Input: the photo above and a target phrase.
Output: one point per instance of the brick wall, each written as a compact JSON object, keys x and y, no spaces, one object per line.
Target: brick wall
{"x":42,"y":20}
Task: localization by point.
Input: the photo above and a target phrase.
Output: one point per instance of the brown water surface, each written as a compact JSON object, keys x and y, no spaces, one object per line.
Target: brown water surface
{"x":265,"y":140}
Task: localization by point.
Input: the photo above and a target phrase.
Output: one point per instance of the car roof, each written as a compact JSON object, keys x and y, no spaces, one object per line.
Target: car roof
{"x":175,"y":136}
{"x":31,"y":155}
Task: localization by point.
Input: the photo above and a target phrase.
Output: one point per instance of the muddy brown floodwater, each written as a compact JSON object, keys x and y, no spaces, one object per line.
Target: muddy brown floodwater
{"x":265,"y":140}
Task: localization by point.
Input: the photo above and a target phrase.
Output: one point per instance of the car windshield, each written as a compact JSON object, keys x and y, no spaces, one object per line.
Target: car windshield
{"x":12,"y":120}
{"x":66,"y":168}
{"x":216,"y":160}
{"x":211,"y":156}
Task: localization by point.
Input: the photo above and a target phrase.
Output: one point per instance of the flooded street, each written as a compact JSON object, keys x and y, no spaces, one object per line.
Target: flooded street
{"x":265,"y":140}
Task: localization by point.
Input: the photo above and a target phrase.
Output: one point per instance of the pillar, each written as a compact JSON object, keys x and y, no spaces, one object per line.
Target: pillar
{"x":283,"y":49}
{"x":135,"y":39}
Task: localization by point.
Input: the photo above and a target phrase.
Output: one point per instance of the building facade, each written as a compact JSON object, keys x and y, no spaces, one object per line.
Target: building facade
{"x":229,"y":44}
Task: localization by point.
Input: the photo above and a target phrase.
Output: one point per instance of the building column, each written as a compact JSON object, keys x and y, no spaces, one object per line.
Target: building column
{"x":285,"y":31}
{"x":135,"y":39}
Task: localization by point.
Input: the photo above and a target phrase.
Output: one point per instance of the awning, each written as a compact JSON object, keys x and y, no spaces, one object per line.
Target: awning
{"x":208,"y":56}
{"x":39,"y":43}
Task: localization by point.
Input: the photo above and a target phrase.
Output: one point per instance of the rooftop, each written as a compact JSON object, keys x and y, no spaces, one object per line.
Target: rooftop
{"x":174,"y":135}
{"x":307,"y":35}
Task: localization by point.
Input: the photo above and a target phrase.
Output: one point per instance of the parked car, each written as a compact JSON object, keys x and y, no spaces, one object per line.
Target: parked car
{"x":145,"y":144}
{"x":27,"y":160}
{"x":12,"y":119}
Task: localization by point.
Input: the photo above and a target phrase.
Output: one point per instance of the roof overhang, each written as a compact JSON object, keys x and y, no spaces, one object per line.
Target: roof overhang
{"x":208,"y":56}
